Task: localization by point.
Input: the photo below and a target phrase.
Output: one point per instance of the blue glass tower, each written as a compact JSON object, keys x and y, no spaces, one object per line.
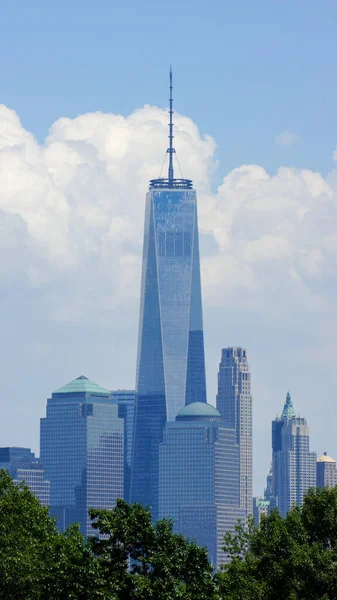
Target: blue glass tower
{"x":199,"y":478}
{"x":82,"y":443}
{"x":171,"y":364}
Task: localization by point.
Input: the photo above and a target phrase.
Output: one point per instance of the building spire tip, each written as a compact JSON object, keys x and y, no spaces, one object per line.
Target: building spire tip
{"x":170,"y":149}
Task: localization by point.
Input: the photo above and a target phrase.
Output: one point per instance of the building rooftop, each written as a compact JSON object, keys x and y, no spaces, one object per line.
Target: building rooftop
{"x":198,"y":410}
{"x":82,"y":385}
{"x":288,"y":409}
{"x":326,"y":458}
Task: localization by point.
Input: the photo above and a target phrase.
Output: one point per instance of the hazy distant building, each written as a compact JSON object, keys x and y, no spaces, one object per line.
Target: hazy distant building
{"x":171,"y":363}
{"x":234,"y":402}
{"x":82,"y":446}
{"x":261,"y":506}
{"x":126,"y":400}
{"x":294,"y":466}
{"x":199,"y":477}
{"x":326,"y":474}
{"x":22,"y":465}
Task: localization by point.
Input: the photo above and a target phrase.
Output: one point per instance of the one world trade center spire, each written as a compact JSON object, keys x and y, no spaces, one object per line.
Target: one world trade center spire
{"x":171,"y":363}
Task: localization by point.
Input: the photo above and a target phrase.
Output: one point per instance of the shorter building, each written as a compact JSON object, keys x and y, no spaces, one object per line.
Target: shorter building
{"x":260,"y":509}
{"x":82,"y":446}
{"x":326,"y":474}
{"x":199,"y":478}
{"x":126,"y":400}
{"x":294,"y":466}
{"x":261,"y":506}
{"x":23,"y":466}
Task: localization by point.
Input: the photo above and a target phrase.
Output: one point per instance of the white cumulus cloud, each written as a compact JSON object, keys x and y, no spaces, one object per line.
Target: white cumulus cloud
{"x":71,"y":227}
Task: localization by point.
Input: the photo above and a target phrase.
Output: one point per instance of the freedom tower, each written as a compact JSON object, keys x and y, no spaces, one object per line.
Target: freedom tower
{"x":170,"y":363}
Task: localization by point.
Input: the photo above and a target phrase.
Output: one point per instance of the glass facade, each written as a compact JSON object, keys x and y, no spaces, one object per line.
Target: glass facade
{"x":22,"y":465}
{"x":199,"y":478}
{"x":294,"y":466}
{"x":126,"y":400}
{"x":170,"y":365}
{"x":82,"y":447}
{"x":234,"y":402}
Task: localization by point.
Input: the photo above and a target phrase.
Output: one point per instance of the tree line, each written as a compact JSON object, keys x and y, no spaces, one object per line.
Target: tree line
{"x":133,"y":559}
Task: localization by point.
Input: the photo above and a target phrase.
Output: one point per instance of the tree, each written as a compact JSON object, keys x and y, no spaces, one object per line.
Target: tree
{"x":146,"y":561}
{"x":286,"y":558}
{"x":36,"y":561}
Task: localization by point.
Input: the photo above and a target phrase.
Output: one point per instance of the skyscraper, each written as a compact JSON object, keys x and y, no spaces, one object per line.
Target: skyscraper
{"x":170,"y":364}
{"x":126,"y":400}
{"x":234,"y":402}
{"x":22,"y":465}
{"x":199,"y":477}
{"x":294,"y":466}
{"x":82,"y":441}
{"x":326,"y":473}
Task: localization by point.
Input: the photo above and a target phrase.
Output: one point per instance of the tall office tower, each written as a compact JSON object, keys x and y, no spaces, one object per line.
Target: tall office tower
{"x":170,"y":364}
{"x":294,"y":466}
{"x":326,"y":474}
{"x":82,"y":442}
{"x":199,"y":477}
{"x":126,"y":400}
{"x":234,"y":402}
{"x":22,"y":465}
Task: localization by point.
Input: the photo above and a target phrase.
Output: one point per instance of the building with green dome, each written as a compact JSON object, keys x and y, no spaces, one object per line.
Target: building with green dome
{"x":82,"y":441}
{"x":199,"y":477}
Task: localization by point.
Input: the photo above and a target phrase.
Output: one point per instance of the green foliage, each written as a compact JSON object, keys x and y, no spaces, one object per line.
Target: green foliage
{"x":162,"y":565}
{"x":291,"y":558}
{"x":36,"y":561}
{"x":132,"y":560}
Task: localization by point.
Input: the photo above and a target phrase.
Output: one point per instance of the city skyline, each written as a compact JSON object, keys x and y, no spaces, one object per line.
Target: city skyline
{"x":81,"y":135}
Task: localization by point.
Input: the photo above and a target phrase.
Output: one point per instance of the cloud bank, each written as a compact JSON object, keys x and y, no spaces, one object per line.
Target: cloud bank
{"x":71,"y":226}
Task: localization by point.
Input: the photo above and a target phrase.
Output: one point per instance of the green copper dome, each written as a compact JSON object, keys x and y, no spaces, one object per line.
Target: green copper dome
{"x":82,"y":385}
{"x":288,"y":409}
{"x":198,"y":410}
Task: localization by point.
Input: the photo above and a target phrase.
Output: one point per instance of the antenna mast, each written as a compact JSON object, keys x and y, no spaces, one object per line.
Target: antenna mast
{"x":170,"y":149}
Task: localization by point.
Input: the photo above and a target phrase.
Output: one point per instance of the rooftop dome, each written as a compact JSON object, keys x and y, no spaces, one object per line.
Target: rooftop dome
{"x":198,"y":410}
{"x":326,"y":458}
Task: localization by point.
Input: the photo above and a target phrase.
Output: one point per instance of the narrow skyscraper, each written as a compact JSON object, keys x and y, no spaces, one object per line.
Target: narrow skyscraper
{"x":234,"y":402}
{"x":294,"y":466}
{"x":82,"y":443}
{"x":170,"y":364}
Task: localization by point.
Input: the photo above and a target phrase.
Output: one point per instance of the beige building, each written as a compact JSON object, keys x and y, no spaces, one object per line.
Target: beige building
{"x":326,"y":473}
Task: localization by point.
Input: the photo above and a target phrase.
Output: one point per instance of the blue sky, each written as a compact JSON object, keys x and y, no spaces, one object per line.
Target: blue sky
{"x":259,"y":79}
{"x":244,"y":71}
